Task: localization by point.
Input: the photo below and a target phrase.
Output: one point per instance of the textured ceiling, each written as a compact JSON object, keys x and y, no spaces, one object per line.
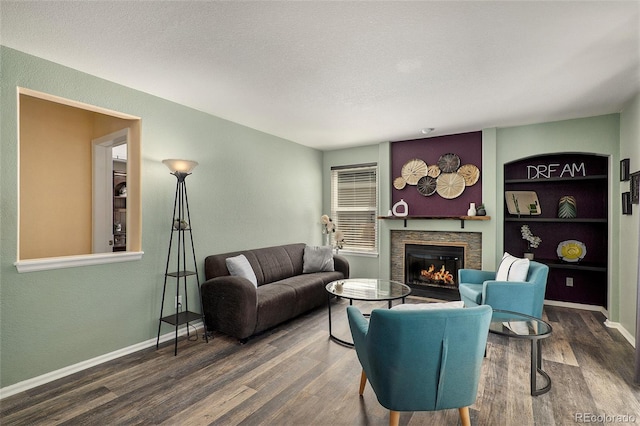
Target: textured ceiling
{"x":337,"y":74}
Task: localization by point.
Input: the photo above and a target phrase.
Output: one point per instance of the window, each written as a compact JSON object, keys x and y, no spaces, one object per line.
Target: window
{"x":354,"y":205}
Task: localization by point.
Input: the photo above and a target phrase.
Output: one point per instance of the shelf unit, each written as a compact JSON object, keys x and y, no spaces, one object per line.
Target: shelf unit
{"x":119,"y":211}
{"x":585,"y":177}
{"x":181,"y":226}
{"x":460,"y":218}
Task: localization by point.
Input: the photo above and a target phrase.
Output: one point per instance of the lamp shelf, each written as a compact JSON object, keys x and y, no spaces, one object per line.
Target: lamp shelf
{"x":554,"y":220}
{"x":182,"y":318}
{"x":180,"y":274}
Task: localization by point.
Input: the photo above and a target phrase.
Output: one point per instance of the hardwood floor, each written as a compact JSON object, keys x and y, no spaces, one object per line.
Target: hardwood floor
{"x":294,"y":375}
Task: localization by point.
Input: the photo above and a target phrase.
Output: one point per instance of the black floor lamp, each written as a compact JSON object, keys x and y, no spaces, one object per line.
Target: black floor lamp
{"x":180,"y":225}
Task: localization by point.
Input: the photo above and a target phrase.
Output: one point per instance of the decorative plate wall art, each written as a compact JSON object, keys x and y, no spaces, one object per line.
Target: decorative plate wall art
{"x":450,"y":185}
{"x":447,"y":178}
{"x":427,"y":186}
{"x":449,"y":163}
{"x":413,"y":170}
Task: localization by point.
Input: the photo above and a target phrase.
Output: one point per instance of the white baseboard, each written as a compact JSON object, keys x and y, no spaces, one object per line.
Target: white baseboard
{"x":577,"y":306}
{"x":66,"y":371}
{"x":622,"y":331}
{"x":625,"y":333}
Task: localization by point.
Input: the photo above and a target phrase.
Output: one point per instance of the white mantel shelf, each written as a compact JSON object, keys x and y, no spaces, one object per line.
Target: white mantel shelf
{"x":460,"y":218}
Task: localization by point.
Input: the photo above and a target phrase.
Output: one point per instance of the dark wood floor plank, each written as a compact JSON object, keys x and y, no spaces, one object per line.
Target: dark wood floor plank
{"x":293,"y":374}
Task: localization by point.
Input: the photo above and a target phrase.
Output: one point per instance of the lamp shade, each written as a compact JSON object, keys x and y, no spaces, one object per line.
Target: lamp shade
{"x":180,"y":166}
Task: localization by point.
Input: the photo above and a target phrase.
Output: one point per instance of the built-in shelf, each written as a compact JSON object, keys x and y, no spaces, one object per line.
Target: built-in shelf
{"x":579,"y":266}
{"x":557,"y":179}
{"x":554,"y":220}
{"x":460,"y":218}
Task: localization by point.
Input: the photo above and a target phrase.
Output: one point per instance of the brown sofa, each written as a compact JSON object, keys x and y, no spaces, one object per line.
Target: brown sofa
{"x":235,"y":306}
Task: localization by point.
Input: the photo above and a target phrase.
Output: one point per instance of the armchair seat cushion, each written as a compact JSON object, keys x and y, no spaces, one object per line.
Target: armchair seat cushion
{"x":471,"y":292}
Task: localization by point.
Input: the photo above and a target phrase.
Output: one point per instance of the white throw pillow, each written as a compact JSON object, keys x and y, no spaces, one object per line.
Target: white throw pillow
{"x":512,"y":268}
{"x":239,"y":266}
{"x":427,"y":306}
{"x":317,"y":259}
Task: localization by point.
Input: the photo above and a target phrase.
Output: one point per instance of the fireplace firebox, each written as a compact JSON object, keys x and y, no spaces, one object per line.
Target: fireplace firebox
{"x":433,"y":266}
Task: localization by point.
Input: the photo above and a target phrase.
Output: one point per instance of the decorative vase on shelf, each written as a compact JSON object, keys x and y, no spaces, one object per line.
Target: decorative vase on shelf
{"x":481,"y":211}
{"x":400,"y":209}
{"x":528,"y":256}
{"x":472,"y":209}
{"x":567,"y":208}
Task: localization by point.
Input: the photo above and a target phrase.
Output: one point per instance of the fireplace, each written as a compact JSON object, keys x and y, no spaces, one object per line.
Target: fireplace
{"x":433,"y":265}
{"x":428,"y":261}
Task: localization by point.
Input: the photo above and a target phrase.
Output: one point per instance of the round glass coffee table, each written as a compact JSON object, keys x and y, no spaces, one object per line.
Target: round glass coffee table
{"x":521,"y":326}
{"x":369,"y":289}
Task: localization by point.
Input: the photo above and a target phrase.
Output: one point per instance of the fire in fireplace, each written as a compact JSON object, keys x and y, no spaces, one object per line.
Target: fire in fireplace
{"x":433,"y":265}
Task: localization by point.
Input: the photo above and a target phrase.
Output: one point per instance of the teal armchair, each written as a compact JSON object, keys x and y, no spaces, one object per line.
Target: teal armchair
{"x":527,"y":297}
{"x":421,"y":360}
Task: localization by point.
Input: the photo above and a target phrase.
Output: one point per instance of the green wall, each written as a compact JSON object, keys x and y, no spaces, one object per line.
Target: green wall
{"x":630,"y":238}
{"x":250,"y":190}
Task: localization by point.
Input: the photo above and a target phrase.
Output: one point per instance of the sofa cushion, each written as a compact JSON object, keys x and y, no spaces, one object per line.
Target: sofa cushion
{"x":512,"y":268}
{"x":310,"y":289}
{"x":276,"y":304}
{"x":317,"y":259}
{"x":239,"y":266}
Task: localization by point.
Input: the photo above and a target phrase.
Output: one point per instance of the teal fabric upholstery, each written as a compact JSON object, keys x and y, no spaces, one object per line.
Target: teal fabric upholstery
{"x":422,"y":360}
{"x":527,"y":297}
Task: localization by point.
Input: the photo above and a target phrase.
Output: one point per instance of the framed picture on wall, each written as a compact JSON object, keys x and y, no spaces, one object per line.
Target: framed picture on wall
{"x":626,"y":203}
{"x":624,"y":170}
{"x":635,"y":188}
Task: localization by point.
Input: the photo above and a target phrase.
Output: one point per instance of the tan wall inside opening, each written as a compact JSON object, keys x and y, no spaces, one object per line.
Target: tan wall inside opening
{"x":56,"y":177}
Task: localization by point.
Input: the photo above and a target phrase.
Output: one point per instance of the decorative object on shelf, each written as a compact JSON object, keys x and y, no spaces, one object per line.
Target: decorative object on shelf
{"x":339,"y":237}
{"x":427,"y":186}
{"x":181,"y":225}
{"x":472,"y":209}
{"x":481,"y":211}
{"x":523,"y":203}
{"x":567,"y":208}
{"x":400,"y":205}
{"x":470,"y":173}
{"x":123,"y":191}
{"x":328,"y":228}
{"x":450,"y":185}
{"x":635,"y":187}
{"x":413,"y":170}
{"x":571,"y":251}
{"x":399,"y":183}
{"x":624,"y":170}
{"x":449,"y":163}
{"x":532,"y":241}
{"x":118,"y":227}
{"x":626,"y":203}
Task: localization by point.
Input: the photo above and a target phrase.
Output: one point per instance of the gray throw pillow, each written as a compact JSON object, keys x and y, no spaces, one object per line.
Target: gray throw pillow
{"x":239,"y":266}
{"x":317,"y":259}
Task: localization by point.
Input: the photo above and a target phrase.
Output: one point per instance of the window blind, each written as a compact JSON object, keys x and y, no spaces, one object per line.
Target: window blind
{"x":354,"y":204}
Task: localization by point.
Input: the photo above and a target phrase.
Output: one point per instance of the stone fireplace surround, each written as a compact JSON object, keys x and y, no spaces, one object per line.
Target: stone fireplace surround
{"x":471,"y":241}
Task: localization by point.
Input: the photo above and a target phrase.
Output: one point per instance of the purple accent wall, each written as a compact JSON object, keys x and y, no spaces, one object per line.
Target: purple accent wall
{"x":468,"y":146}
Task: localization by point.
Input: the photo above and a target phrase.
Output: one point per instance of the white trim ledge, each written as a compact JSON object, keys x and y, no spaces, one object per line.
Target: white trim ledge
{"x":45,"y":264}
{"x":75,"y":368}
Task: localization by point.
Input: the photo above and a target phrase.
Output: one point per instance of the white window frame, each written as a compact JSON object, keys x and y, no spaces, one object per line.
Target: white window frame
{"x":357,"y":245}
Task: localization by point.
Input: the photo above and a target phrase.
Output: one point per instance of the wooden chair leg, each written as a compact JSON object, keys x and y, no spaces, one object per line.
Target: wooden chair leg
{"x":465,"y":420}
{"x":394,"y":418}
{"x":363,"y":382}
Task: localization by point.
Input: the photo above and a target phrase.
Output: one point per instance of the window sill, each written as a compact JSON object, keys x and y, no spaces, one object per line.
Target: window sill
{"x":45,"y":264}
{"x":356,"y":253}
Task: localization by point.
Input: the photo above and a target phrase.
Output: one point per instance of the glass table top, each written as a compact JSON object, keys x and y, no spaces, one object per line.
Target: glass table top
{"x":368,"y":289}
{"x":514,"y":324}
